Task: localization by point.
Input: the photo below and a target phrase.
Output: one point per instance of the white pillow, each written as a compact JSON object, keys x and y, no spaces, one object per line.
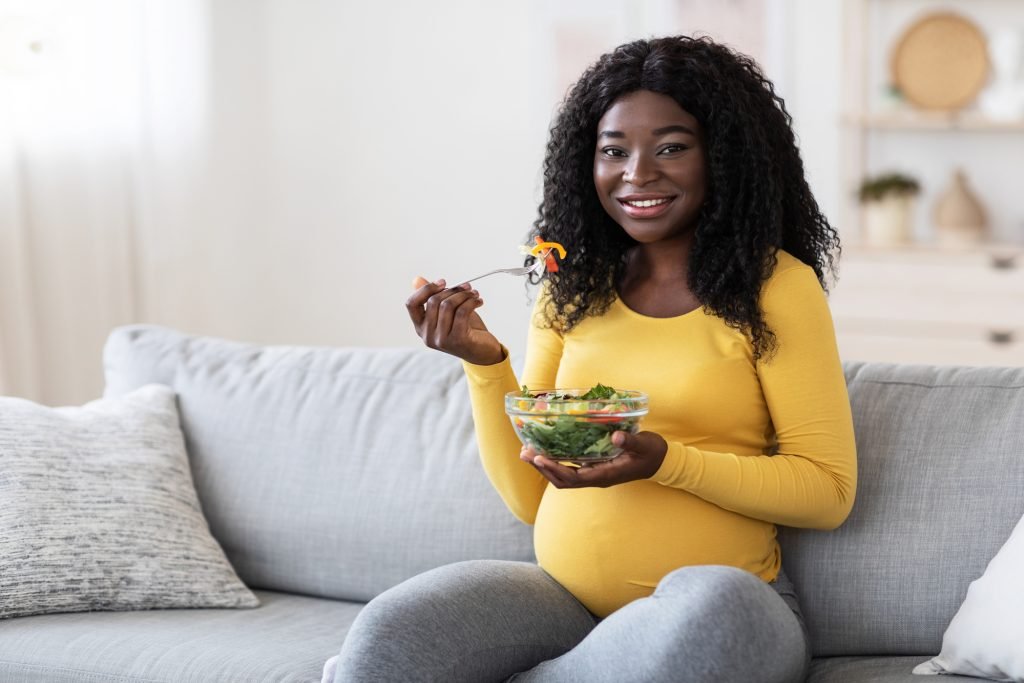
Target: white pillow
{"x":98,"y":511}
{"x":986,"y":637}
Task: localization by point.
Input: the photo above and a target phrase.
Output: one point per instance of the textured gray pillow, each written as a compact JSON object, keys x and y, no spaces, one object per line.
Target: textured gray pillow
{"x":98,"y":511}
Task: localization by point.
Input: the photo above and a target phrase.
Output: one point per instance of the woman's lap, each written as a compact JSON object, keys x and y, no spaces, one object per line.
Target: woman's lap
{"x":474,"y":621}
{"x":486,"y":620}
{"x":703,"y":623}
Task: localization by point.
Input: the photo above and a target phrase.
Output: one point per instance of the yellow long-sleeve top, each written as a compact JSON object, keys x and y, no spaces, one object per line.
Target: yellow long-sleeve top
{"x":750,"y":444}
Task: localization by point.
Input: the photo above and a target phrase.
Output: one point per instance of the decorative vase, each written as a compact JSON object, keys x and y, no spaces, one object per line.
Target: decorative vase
{"x":959,"y":215}
{"x":1004,"y":98}
{"x":888,"y":221}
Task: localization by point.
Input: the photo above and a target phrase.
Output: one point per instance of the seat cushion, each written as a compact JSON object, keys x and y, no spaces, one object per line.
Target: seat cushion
{"x":287,"y":639}
{"x":941,"y":485}
{"x":872,"y":670}
{"x":330,"y":472}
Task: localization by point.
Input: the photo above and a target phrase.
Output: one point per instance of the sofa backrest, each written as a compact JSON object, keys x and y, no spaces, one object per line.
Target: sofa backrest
{"x":941,"y":486}
{"x":329,"y":472}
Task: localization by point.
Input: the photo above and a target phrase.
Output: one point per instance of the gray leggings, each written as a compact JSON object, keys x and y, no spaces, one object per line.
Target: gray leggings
{"x":487,"y":620}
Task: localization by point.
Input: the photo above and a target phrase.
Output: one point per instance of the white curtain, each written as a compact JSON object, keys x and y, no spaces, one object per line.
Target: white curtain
{"x":69,"y":133}
{"x":75,"y":128}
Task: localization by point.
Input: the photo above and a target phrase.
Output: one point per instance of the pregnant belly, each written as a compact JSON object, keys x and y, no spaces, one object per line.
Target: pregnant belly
{"x":611,"y":546}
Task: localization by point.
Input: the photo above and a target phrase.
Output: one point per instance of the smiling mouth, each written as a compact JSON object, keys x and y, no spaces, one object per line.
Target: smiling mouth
{"x":647,"y":207}
{"x":646,"y":203}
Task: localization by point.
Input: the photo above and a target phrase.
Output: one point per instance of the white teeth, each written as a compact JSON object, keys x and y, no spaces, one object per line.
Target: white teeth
{"x":648,"y":202}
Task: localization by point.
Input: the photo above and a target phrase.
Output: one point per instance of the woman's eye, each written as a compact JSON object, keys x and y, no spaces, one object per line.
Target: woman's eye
{"x":613,"y":152}
{"x":672,"y":149}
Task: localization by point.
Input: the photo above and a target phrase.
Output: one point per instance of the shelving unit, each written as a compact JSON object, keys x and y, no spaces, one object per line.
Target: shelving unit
{"x":876,"y":137}
{"x":922,"y":121}
{"x":924,"y":303}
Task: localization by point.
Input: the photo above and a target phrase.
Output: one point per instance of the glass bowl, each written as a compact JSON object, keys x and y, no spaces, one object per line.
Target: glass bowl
{"x":561,"y":425}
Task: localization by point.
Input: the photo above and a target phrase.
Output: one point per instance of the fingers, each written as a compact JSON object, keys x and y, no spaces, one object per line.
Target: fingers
{"x":414,"y":304}
{"x":562,"y":476}
{"x":453,"y":313}
{"x":440,"y":313}
{"x":641,"y":458}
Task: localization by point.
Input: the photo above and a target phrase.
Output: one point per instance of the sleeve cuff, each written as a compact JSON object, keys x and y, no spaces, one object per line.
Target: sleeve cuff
{"x":673,"y":467}
{"x":498,"y":371}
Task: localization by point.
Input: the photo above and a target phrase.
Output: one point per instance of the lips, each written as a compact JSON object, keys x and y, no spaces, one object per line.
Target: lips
{"x":645,"y":205}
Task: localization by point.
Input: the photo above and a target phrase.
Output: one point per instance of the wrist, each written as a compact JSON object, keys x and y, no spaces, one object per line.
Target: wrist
{"x":492,"y":357}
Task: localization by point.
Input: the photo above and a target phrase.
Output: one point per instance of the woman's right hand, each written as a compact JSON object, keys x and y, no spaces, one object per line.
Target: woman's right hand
{"x":446,"y":320}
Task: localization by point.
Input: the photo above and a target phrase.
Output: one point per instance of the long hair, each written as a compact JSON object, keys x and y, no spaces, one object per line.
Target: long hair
{"x":757,"y":199}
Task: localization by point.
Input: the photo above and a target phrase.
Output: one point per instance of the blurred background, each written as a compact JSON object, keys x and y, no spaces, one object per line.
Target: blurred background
{"x":277,"y":171}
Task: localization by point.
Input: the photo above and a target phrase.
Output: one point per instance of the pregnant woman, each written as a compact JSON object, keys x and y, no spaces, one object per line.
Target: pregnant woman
{"x":696,"y":271}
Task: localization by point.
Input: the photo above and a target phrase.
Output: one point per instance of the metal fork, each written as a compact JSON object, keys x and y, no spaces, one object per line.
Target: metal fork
{"x":524,"y":270}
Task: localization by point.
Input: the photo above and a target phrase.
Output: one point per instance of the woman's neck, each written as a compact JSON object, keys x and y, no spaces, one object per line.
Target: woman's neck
{"x":654,"y":282}
{"x":661,"y":262}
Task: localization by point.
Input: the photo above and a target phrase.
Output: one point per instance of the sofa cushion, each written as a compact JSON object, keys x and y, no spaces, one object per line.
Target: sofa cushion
{"x":871,"y":670}
{"x":98,"y":511}
{"x":941,"y":485}
{"x":285,"y":640}
{"x":330,"y":472}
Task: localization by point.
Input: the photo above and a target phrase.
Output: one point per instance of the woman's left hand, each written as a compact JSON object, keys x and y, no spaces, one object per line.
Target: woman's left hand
{"x":643,"y":455}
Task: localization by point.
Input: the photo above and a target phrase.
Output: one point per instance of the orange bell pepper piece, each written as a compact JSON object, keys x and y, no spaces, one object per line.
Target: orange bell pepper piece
{"x":550,"y":264}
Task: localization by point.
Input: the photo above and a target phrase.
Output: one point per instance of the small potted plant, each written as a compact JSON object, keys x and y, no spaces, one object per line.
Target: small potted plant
{"x":888,"y":202}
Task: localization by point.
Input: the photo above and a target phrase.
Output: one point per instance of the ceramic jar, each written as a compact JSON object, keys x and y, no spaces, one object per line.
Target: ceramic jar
{"x":959,"y":215}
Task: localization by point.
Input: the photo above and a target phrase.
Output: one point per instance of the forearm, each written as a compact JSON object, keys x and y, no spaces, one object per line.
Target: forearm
{"x":787,"y":489}
{"x":519,"y":485}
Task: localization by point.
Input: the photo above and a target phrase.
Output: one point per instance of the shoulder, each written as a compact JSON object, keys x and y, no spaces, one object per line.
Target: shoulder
{"x":792,"y":289}
{"x":789,"y":274}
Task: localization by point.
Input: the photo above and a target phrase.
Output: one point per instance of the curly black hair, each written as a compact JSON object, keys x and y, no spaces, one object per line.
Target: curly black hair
{"x":757,"y":200}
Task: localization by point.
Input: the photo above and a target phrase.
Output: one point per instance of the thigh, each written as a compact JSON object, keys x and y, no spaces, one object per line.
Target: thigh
{"x":706,"y":623}
{"x":473,"y":621}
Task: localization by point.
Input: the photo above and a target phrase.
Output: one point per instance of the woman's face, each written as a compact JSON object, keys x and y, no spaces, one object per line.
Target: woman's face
{"x":649,"y":166}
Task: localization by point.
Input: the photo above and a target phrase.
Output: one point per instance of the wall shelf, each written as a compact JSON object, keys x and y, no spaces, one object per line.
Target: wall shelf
{"x":922,"y":121}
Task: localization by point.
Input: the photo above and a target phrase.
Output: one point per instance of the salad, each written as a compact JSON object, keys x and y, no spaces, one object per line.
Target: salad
{"x":575,"y":425}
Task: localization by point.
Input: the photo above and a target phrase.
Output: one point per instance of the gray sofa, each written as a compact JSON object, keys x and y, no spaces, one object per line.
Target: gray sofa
{"x":329,"y":475}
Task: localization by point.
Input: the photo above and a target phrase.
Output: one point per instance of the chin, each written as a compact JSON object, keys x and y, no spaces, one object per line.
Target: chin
{"x":647,"y":234}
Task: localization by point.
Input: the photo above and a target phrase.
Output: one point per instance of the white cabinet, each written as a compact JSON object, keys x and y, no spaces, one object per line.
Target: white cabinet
{"x":924,"y":305}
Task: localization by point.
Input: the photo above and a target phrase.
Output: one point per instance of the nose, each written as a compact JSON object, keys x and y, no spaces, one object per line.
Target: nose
{"x":639,"y":171}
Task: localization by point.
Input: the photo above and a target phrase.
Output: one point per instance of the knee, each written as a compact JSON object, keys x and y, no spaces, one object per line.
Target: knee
{"x":719,"y":623}
{"x":710,"y":579}
{"x":423,"y":600}
{"x":391,"y":636}
{"x":729,"y":596}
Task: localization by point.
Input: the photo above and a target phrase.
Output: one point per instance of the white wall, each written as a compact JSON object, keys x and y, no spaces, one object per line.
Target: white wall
{"x":291,"y":166}
{"x":347,"y":147}
{"x":352,"y":146}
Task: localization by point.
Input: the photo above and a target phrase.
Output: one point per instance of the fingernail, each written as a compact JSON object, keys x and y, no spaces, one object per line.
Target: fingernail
{"x":476,"y":293}
{"x":618,"y":438}
{"x":464,"y":285}
{"x":439,"y":283}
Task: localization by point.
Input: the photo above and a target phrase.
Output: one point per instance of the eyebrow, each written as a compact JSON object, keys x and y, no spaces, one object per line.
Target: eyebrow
{"x":657,"y":132}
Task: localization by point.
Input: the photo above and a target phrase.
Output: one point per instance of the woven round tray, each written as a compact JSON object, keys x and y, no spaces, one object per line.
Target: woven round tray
{"x":941,"y":62}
